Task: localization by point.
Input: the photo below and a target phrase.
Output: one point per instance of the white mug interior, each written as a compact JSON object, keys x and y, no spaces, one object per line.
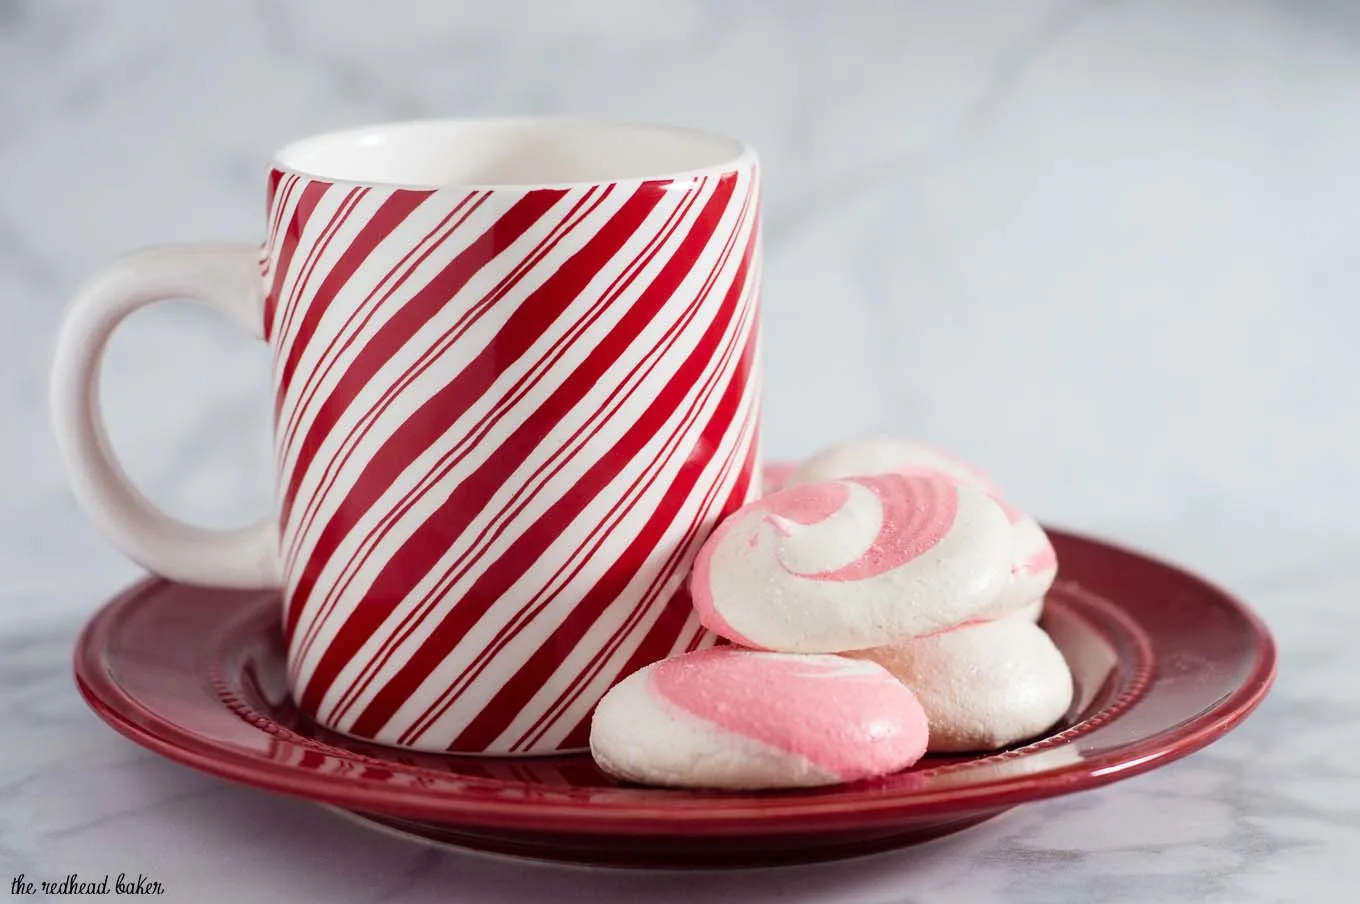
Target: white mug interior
{"x":524,"y":153}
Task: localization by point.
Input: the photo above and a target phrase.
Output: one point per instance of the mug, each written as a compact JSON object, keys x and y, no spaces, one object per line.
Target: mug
{"x":515,"y":374}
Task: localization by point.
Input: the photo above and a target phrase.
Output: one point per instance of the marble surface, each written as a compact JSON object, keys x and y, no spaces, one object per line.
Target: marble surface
{"x":1106,"y":249}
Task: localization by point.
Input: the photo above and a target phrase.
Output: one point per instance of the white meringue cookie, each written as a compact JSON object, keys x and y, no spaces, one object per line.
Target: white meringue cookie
{"x":853,"y":564}
{"x":1034,"y":567}
{"x":984,"y":686}
{"x":879,"y":455}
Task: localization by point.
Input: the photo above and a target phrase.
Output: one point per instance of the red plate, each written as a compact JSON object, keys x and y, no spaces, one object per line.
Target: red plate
{"x":1164,"y":664}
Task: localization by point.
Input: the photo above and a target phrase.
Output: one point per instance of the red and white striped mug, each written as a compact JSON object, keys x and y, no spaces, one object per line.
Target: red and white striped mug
{"x":516,"y":384}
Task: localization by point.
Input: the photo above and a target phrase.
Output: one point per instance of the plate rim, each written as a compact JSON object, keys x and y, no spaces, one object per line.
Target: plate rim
{"x":694,"y":815}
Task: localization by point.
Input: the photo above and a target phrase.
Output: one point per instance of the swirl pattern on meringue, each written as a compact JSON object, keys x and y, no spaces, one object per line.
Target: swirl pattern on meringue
{"x":852,"y":564}
{"x":1034,"y":564}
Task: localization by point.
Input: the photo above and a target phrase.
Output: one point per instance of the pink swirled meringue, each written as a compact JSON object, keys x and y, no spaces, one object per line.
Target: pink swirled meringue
{"x":853,"y":564}
{"x":984,"y":686}
{"x":1034,"y":565}
{"x":729,"y":718}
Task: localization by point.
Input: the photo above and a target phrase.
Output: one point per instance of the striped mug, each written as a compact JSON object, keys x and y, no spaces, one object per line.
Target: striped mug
{"x":516,"y":379}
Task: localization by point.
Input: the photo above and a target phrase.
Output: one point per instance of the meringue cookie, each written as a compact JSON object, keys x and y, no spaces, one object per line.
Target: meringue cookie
{"x":730,"y":718}
{"x":985,"y":686}
{"x":774,"y":476}
{"x":852,"y":564}
{"x":880,"y":455}
{"x":1035,"y":564}
{"x":1030,"y":612}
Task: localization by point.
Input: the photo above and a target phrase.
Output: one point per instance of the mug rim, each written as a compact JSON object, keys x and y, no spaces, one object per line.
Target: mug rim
{"x":741,"y":156}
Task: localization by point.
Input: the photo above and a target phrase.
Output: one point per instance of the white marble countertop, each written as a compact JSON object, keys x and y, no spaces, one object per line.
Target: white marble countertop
{"x":1106,"y":249}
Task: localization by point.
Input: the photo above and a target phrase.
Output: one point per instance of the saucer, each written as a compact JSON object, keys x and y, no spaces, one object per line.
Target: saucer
{"x":1164,"y":663}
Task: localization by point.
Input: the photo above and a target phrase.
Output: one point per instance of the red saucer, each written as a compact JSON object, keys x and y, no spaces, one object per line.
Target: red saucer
{"x":1164,"y":664}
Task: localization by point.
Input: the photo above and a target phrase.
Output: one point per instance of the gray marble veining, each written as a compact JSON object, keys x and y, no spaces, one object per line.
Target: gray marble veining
{"x":1106,"y":249}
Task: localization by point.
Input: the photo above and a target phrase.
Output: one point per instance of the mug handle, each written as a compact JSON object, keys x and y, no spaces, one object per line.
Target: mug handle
{"x":227,"y":278}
